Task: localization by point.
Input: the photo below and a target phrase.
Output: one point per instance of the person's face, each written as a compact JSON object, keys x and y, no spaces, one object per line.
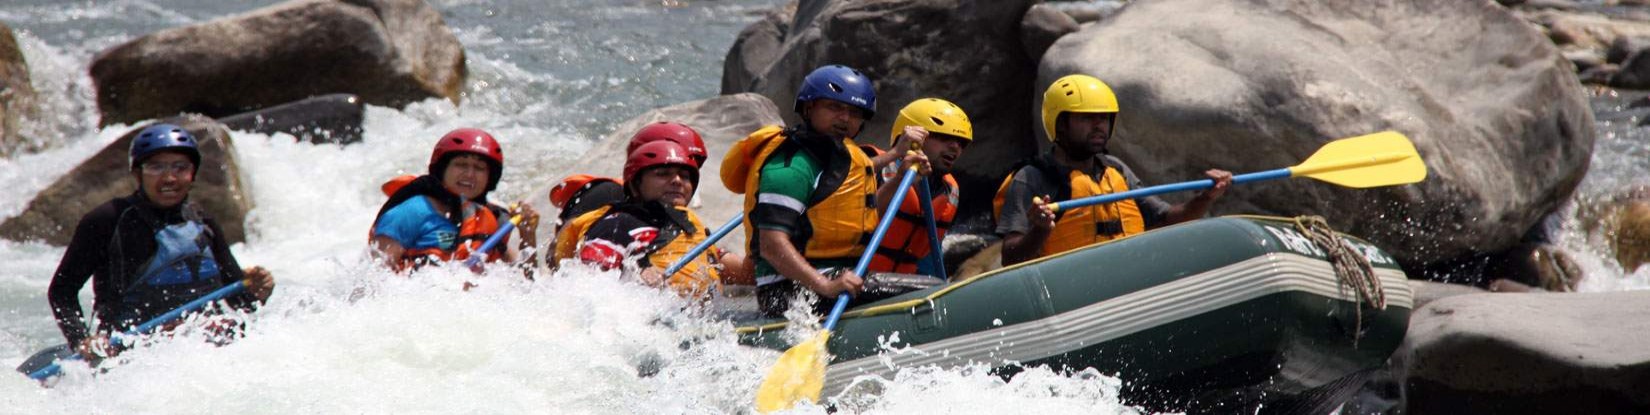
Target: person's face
{"x":466,"y":176}
{"x":834,"y":118}
{"x":943,"y":150}
{"x":669,"y":184}
{"x":166,"y":178}
{"x":1086,"y":132}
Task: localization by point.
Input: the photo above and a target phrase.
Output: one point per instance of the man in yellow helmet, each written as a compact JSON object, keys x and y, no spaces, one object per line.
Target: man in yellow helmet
{"x":941,"y":130}
{"x":1079,"y":116}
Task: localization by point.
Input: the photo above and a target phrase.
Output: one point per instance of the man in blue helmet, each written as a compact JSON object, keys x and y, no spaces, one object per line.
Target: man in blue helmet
{"x":150,"y":252}
{"x":810,"y":192}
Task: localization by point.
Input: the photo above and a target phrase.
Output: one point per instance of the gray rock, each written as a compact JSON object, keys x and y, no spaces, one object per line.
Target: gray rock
{"x":53,"y":213}
{"x":965,"y":52}
{"x":1041,"y":26}
{"x":327,"y":119}
{"x":755,"y":49}
{"x":1634,"y":73}
{"x":388,"y":52}
{"x":1584,"y":59}
{"x":1530,"y":354}
{"x":1599,"y":75}
{"x":16,"y":94}
{"x":1208,"y":84}
{"x":721,"y":121}
{"x":1624,"y":47}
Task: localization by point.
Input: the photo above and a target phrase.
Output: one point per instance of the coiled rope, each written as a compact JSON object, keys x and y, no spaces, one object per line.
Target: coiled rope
{"x":1352,"y":269}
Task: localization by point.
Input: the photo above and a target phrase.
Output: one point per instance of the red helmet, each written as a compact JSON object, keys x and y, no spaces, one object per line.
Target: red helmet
{"x":673,"y":132}
{"x":472,"y":141}
{"x":659,"y":153}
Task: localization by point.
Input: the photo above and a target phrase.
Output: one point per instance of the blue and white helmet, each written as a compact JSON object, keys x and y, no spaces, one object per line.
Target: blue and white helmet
{"x":838,"y":83}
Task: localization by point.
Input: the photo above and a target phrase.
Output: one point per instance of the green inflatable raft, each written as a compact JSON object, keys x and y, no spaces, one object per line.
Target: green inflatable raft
{"x":1236,"y":314}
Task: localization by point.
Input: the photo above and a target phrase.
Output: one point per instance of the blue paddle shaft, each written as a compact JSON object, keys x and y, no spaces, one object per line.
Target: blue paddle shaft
{"x":1171,"y":188}
{"x":119,"y":340}
{"x":481,"y":253}
{"x":876,"y":239}
{"x":704,"y":246}
{"x":927,"y":202}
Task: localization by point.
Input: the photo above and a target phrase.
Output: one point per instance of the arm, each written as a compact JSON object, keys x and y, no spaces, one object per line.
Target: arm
{"x":777,"y":249}
{"x":77,"y":266}
{"x":1025,"y":221}
{"x":527,"y":230}
{"x":909,"y":139}
{"x":1198,"y":207}
{"x":259,"y":282}
{"x":387,"y":250}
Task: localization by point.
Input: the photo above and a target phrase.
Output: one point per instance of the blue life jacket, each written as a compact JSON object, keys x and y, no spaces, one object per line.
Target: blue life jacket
{"x":182,"y":269}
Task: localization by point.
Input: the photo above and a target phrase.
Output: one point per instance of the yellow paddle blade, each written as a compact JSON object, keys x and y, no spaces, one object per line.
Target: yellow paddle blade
{"x":800,"y":374}
{"x":1385,"y":158}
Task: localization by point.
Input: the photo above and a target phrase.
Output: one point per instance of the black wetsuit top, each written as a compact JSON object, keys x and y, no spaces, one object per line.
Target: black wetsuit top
{"x":110,"y":246}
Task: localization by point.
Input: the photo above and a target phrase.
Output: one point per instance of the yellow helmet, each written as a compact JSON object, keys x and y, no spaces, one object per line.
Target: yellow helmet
{"x":935,"y":115}
{"x":1076,"y":93}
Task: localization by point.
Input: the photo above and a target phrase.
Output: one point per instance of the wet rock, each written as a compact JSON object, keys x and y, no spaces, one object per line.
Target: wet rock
{"x":1530,"y":354}
{"x":1041,"y":26}
{"x":986,"y":260}
{"x":1429,"y":291}
{"x":966,"y":52}
{"x":1205,"y":84}
{"x":1599,"y":75}
{"x":755,"y":48}
{"x":960,"y":247}
{"x":1634,"y":73}
{"x":1584,"y":59}
{"x":16,"y":94}
{"x":1584,"y":30}
{"x":721,"y":121}
{"x":1624,"y":47}
{"x":327,"y":119}
{"x":388,"y":52}
{"x":1622,"y":223}
{"x":53,"y":213}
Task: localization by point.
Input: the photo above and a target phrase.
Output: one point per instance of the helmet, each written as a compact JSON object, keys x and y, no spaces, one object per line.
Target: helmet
{"x":161,"y":137}
{"x":472,"y":141}
{"x":675,"y":132}
{"x":839,"y":83}
{"x":658,"y":153}
{"x":571,"y":186}
{"x":1076,"y":93}
{"x":935,"y":115}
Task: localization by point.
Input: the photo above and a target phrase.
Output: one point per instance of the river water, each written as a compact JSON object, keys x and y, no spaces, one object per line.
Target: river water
{"x":548,"y":77}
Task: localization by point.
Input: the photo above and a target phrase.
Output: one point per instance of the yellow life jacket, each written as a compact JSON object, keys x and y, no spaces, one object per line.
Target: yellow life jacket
{"x":1079,"y":227}
{"x":698,"y":278}
{"x":840,"y":216}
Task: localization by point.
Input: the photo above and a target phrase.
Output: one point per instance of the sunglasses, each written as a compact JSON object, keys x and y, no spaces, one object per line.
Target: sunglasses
{"x":178,"y":168}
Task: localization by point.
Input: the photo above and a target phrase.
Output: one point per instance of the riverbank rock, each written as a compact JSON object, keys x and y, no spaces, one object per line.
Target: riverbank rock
{"x":327,"y":119}
{"x":721,"y":121}
{"x":53,"y":213}
{"x":969,"y":53}
{"x":1622,"y":223}
{"x":16,"y":94}
{"x":756,"y":47}
{"x":1207,"y":84}
{"x":1530,"y":354}
{"x":388,"y":52}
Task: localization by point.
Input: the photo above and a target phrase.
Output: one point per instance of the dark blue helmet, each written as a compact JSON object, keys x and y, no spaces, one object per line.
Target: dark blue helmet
{"x":839,"y":83}
{"x":160,"y":137}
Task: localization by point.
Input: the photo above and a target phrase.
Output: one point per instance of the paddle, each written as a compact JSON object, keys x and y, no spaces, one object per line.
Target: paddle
{"x":800,"y":373}
{"x":1386,"y":158}
{"x":119,"y":339}
{"x":481,"y":253}
{"x":703,"y":246}
{"x":934,"y":252}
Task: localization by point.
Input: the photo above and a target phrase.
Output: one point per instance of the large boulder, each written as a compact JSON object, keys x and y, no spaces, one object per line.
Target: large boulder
{"x":1511,"y":354}
{"x":16,"y":93}
{"x":327,"y":119}
{"x":388,"y":52}
{"x":53,"y":213}
{"x":967,"y":52}
{"x":756,"y":47}
{"x":1494,"y":109}
{"x":721,"y":121}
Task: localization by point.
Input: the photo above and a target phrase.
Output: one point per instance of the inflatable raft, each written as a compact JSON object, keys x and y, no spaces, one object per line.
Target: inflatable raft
{"x":1227,"y":315}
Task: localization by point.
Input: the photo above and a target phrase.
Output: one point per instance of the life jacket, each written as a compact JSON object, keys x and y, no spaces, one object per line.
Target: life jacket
{"x":906,"y":242}
{"x":480,"y":221}
{"x":684,"y":232}
{"x":182,"y":269}
{"x":840,"y":214}
{"x":1079,"y":227}
{"x":571,"y":233}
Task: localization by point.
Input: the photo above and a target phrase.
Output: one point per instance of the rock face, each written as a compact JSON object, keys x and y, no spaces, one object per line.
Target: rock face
{"x":334,"y":119}
{"x":755,"y":48}
{"x":721,"y":121}
{"x":1505,"y":129}
{"x":53,"y":214}
{"x":967,"y":52}
{"x":1530,"y":354}
{"x":1041,"y":26}
{"x":388,"y":52}
{"x":16,"y":93}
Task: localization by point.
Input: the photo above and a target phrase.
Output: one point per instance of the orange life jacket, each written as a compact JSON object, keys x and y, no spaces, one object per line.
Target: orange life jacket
{"x":841,"y":218}
{"x":1079,"y":227}
{"x":906,"y":242}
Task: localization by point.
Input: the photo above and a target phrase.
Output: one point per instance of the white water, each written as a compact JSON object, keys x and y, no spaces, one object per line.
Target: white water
{"x":342,"y":336}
